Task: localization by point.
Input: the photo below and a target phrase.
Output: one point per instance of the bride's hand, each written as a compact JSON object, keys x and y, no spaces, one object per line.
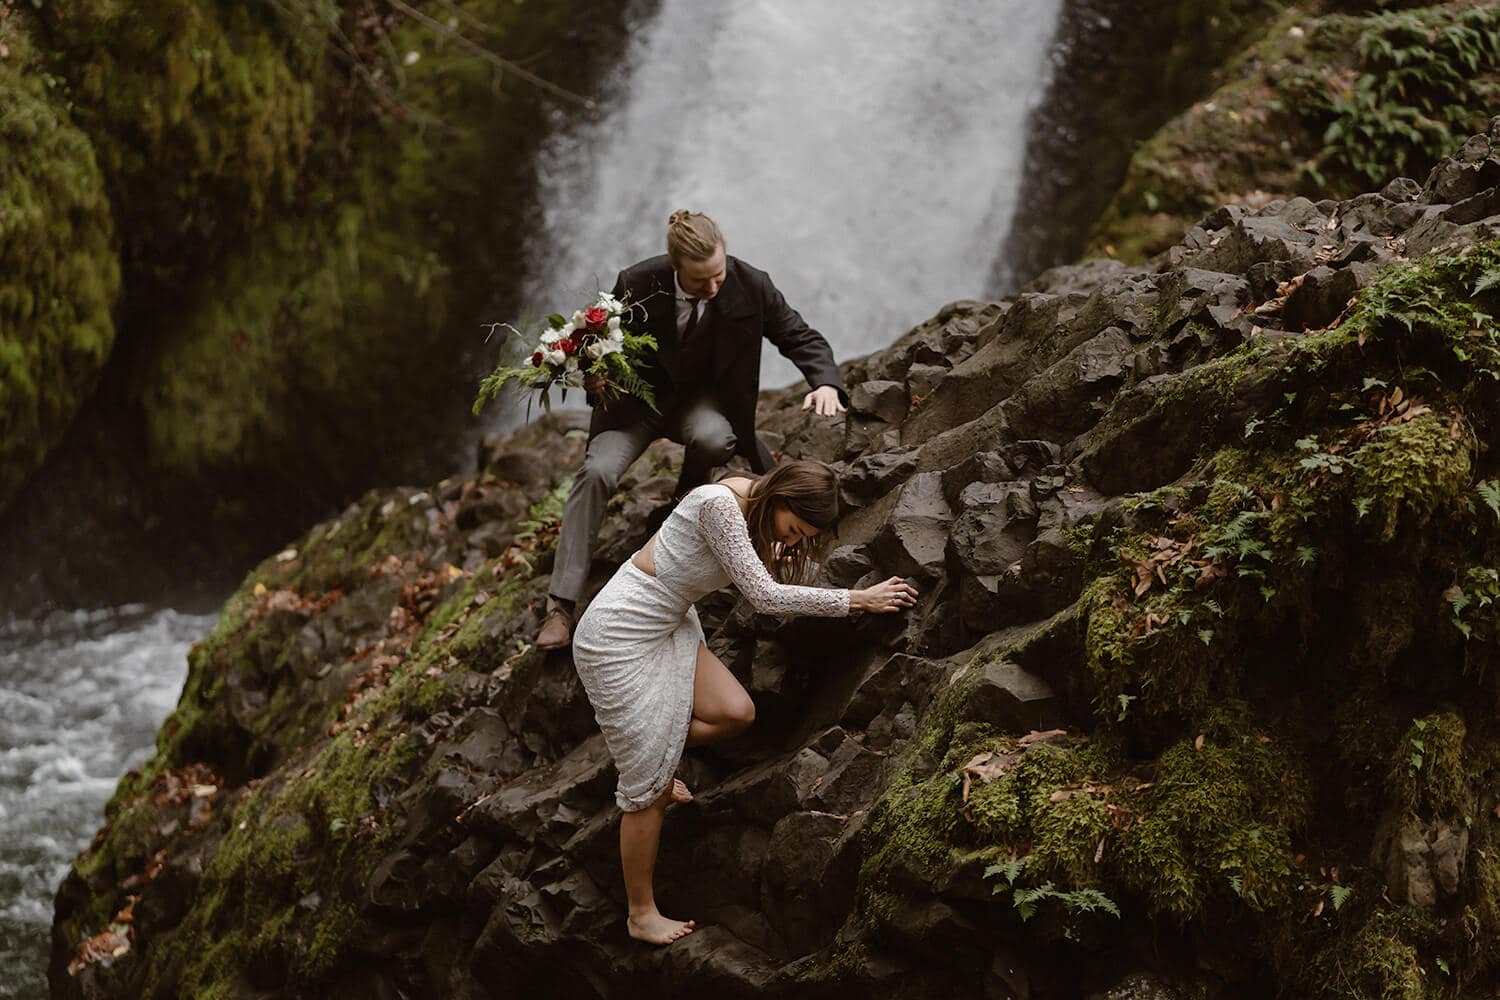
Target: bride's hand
{"x":894,"y":594}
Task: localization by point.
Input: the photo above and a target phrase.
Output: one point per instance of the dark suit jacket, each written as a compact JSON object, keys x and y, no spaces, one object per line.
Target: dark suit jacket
{"x":747,"y":309}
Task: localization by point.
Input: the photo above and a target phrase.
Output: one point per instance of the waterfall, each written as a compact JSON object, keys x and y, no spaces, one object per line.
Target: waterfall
{"x":866,"y":153}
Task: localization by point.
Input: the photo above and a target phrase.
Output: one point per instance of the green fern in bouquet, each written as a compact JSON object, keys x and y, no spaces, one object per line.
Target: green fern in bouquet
{"x":593,"y":342}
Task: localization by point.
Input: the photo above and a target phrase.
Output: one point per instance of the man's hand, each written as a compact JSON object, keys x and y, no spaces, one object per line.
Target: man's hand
{"x":824,"y":401}
{"x":593,"y":385}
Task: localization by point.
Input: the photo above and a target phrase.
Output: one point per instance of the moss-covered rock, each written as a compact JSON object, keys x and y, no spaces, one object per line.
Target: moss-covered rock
{"x":1122,"y":69}
{"x":203,"y":115}
{"x":305,"y":272}
{"x":59,"y":276}
{"x":1323,"y":104}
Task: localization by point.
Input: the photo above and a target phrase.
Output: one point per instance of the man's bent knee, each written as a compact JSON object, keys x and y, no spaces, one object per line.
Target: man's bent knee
{"x":600,"y":475}
{"x":712,"y":449}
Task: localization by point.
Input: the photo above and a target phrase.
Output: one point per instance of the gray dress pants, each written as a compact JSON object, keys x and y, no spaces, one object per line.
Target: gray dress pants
{"x":697,"y":425}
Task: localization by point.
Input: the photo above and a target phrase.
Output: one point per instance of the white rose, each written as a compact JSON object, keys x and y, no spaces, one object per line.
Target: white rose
{"x":597,"y":349}
{"x":554,"y":357}
{"x":579,"y":322}
{"x":613,"y":325}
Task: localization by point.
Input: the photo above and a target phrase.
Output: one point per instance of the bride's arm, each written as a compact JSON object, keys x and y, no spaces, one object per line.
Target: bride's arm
{"x":723,"y":528}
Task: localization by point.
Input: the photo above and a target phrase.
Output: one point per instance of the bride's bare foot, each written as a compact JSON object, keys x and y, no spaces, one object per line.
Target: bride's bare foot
{"x":653,"y":928}
{"x":680,"y":791}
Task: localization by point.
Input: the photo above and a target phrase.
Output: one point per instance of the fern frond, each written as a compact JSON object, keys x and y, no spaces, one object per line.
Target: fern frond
{"x":1489,"y":492}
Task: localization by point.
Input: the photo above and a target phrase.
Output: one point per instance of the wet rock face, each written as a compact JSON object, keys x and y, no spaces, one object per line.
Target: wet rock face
{"x":418,"y":802}
{"x":1425,"y":864}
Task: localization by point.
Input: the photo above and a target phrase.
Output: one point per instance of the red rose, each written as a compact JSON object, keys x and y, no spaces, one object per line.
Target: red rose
{"x":568,"y":346}
{"x":536,"y":360}
{"x":596,"y":315}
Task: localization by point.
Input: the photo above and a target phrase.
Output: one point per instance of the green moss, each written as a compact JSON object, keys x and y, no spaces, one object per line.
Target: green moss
{"x":1381,"y":958}
{"x":282,"y":332}
{"x":1152,"y":661}
{"x":1321,"y":104}
{"x":1005,"y":808}
{"x":59,"y":278}
{"x":1066,"y":838}
{"x":1409,"y":471}
{"x":303,"y":273}
{"x":1216,"y":151}
{"x":315,"y":829}
{"x":1428,"y":776}
{"x":1218,"y":819}
{"x":202,"y":114}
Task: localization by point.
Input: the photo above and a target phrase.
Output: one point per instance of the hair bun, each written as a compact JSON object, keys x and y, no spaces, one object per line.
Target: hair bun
{"x":679,"y":217}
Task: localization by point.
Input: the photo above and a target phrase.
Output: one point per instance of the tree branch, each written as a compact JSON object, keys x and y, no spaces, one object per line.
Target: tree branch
{"x":505,"y":65}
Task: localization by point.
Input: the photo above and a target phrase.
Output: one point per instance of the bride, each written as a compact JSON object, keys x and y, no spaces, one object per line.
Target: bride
{"x":639,"y":648}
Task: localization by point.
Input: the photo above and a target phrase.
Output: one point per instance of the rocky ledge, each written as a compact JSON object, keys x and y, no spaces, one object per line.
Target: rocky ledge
{"x":1199,"y":700}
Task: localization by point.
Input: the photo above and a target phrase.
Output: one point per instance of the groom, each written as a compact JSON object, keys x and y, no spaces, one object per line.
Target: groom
{"x":708,"y":312}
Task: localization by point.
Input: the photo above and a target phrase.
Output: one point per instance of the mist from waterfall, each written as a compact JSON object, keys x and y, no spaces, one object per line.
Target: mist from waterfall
{"x":867,"y":153}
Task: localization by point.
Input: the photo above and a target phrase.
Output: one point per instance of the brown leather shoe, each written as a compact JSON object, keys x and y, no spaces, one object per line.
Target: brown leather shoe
{"x":557,"y":630}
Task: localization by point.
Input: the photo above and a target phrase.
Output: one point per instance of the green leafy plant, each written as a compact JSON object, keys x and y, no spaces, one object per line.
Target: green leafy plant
{"x":1339,"y":895}
{"x":1027,"y":899}
{"x":1419,"y":85}
{"x":1489,"y":492}
{"x":1478,"y":591}
{"x":1418,"y":747}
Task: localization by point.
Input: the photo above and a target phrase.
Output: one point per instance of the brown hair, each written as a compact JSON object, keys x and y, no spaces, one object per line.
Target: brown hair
{"x":691,"y":236}
{"x":811,"y":491}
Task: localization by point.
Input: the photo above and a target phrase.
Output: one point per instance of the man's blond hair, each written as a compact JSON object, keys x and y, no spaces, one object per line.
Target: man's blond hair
{"x":691,"y":236}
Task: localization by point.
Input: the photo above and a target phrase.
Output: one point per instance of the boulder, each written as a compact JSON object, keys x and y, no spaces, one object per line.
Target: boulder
{"x":916,"y":533}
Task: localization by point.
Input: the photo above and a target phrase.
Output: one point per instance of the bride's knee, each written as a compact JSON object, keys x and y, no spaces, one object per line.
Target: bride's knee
{"x":741,"y":712}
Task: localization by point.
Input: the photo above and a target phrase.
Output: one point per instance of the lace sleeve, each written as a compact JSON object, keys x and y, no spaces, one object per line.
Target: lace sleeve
{"x":723,"y":528}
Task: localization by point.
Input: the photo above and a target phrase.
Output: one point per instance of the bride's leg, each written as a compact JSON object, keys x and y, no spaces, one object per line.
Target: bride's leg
{"x":721,"y":707}
{"x":640,"y":835}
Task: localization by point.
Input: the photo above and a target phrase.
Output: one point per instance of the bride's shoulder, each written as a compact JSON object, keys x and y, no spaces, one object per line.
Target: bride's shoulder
{"x":732,"y":487}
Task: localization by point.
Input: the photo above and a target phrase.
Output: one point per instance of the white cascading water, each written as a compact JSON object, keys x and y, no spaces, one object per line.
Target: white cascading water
{"x":81,"y":697}
{"x":867,"y":153}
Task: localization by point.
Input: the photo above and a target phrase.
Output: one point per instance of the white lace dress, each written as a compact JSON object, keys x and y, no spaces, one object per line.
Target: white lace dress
{"x":636,"y":647}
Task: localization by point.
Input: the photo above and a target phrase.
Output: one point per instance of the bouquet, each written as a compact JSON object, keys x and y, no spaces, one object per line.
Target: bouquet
{"x":594,"y":342}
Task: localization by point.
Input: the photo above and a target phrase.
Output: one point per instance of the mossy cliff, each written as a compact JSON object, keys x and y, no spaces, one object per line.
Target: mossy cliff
{"x":1199,"y":697}
{"x":59,"y":275}
{"x":1329,"y":100}
{"x":292,"y":218}
{"x":1121,"y":69}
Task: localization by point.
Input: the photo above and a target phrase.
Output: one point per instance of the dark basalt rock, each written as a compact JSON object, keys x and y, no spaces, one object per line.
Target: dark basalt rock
{"x":418,"y":802}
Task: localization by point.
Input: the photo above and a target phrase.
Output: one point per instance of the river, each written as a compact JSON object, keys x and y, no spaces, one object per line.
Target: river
{"x":81,"y":697}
